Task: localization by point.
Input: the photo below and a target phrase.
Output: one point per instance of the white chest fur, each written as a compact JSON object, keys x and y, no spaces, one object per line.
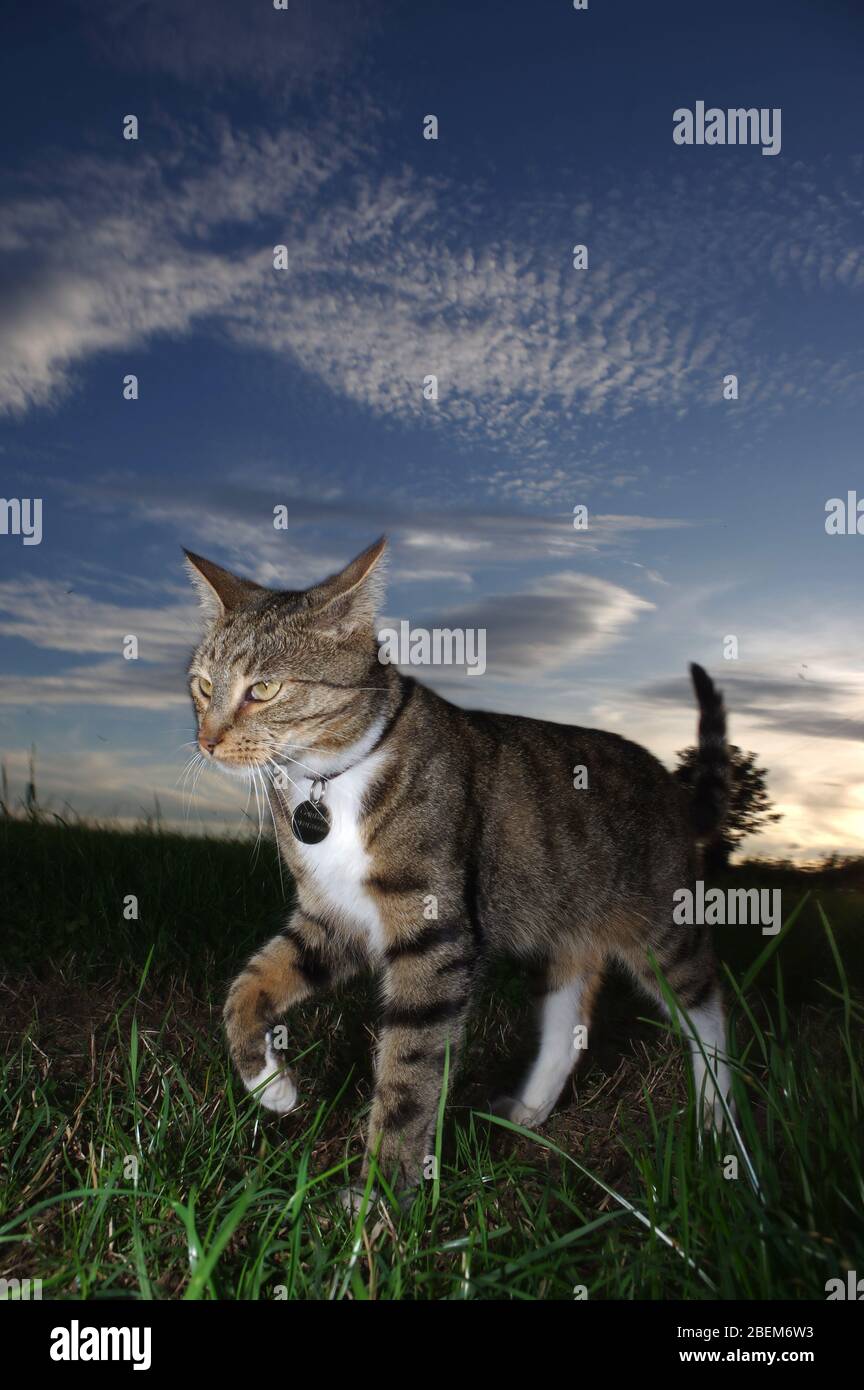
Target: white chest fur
{"x":339,"y":864}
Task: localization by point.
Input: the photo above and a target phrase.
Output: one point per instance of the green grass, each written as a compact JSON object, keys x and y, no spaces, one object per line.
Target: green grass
{"x":113,"y":1052}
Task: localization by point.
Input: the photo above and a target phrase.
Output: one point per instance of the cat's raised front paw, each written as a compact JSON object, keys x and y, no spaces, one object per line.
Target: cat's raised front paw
{"x":280,"y":1093}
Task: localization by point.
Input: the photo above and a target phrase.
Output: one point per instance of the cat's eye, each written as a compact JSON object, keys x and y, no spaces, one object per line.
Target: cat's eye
{"x":205,"y":686}
{"x":265,"y":690}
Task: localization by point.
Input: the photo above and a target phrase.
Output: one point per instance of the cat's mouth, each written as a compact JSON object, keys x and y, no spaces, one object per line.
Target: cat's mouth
{"x":240,"y":763}
{"x":277,"y":765}
{"x":283,"y":766}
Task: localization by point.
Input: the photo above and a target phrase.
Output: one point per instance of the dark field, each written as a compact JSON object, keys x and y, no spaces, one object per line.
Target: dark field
{"x":113,"y":1058}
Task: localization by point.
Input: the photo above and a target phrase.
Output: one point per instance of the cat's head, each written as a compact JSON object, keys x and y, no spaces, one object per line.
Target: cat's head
{"x":287,"y":671}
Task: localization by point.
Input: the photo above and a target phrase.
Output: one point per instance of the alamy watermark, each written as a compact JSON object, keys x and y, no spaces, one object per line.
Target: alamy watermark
{"x":22,"y":516}
{"x":20,"y":1290}
{"x":437,"y":646}
{"x":845,"y":515}
{"x":719,"y":907}
{"x":77,"y":1343}
{"x":851,"y":1288}
{"x":735,"y":126}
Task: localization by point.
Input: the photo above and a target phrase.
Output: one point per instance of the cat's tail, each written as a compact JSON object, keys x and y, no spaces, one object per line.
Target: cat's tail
{"x":709,"y":798}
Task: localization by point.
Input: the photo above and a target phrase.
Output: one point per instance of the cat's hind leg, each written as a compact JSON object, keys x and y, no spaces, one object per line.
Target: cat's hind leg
{"x":711,"y":1077}
{"x":564,"y":1019}
{"x":685,"y":956}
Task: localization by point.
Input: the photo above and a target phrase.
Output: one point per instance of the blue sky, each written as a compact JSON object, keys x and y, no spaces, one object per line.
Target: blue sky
{"x":406,"y":256}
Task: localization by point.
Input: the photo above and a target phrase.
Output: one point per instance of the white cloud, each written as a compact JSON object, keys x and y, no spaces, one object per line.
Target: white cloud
{"x":239,"y":522}
{"x":556,"y":621}
{"x":125,"y":786}
{"x":393,"y":276}
{"x":223,"y":42}
{"x":47,"y":614}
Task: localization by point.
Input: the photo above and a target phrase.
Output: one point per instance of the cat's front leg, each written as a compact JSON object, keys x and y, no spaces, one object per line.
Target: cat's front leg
{"x":427,"y":987}
{"x":291,"y":967}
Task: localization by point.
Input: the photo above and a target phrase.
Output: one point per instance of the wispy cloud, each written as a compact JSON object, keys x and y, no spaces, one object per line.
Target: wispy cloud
{"x":816,"y":707}
{"x":49,"y":615}
{"x":386,"y":286}
{"x":237,"y":518}
{"x":557,"y":621}
{"x":223,"y":43}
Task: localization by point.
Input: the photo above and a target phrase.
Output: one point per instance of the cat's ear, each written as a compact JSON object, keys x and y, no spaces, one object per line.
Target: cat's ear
{"x":219,"y":590}
{"x":350,"y":600}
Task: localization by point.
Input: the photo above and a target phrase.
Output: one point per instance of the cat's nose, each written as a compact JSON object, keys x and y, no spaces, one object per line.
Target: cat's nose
{"x":209,"y":742}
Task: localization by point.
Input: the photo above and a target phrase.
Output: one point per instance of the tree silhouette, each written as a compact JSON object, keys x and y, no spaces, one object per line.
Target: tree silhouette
{"x":750,"y":807}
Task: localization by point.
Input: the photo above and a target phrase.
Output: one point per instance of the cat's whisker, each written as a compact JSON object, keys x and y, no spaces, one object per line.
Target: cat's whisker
{"x":194,"y":768}
{"x":283,"y":772}
{"x":259,"y":809}
{"x":183,"y":780}
{"x":283,"y":753}
{"x":252,"y":785}
{"x":183,"y":776}
{"x":202,"y":767}
{"x":300,"y":763}
{"x":185,"y":768}
{"x":275,"y":833}
{"x":248,"y":795}
{"x":262,"y":803}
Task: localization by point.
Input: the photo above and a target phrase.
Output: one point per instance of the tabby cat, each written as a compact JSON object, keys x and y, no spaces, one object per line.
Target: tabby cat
{"x":425,"y":838}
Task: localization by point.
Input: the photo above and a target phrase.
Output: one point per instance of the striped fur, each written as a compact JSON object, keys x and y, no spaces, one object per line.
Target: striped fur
{"x":456,"y":835}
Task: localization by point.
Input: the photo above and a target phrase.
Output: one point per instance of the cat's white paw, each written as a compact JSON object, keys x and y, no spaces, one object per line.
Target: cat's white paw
{"x":352,"y":1199}
{"x":518,"y":1113}
{"x":280,"y":1093}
